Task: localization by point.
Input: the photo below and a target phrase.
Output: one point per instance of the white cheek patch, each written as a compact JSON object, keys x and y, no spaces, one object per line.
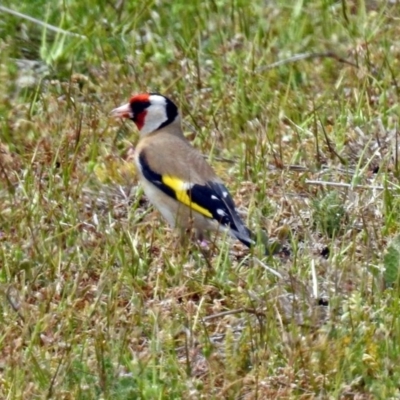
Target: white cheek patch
{"x":156,"y":114}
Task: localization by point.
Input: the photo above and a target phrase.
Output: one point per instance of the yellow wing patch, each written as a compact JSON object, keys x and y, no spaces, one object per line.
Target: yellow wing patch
{"x":180,"y":189}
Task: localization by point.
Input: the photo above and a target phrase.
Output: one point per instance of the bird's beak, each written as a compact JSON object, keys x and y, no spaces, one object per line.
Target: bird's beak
{"x":123,"y":111}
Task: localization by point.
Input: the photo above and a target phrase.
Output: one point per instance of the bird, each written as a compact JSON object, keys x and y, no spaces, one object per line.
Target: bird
{"x":175,"y":176}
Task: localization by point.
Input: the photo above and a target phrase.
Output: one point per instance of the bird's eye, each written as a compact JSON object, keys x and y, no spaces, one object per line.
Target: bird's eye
{"x":139,"y":106}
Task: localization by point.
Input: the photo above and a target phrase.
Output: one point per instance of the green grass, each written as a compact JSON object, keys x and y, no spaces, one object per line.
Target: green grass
{"x":97,"y":300}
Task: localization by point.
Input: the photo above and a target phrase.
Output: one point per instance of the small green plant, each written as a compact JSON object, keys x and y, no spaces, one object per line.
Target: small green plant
{"x":391,"y":262}
{"x":329,"y":213}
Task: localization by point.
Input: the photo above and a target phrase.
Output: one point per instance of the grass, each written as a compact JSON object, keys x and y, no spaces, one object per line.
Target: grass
{"x":99,"y":302}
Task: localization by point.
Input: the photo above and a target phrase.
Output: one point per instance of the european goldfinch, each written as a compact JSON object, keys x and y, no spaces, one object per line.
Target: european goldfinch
{"x":174,"y":175}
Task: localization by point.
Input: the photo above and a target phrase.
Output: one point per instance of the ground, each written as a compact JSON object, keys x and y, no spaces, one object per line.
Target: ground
{"x":295,"y":105}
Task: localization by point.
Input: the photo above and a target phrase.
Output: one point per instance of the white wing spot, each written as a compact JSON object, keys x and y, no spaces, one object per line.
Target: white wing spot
{"x":186,"y":185}
{"x":220,"y":212}
{"x":214,"y":197}
{"x":225,"y":194}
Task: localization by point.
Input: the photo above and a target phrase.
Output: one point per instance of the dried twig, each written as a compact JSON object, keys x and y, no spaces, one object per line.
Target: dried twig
{"x":37,"y":21}
{"x":232,"y":312}
{"x":314,"y":279}
{"x":265,"y":266}
{"x":343,"y":185}
{"x":306,"y":56}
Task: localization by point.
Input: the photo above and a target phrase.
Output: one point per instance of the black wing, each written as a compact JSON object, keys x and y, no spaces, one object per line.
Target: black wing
{"x":212,"y":197}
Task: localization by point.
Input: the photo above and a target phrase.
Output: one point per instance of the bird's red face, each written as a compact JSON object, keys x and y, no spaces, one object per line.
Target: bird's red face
{"x":149,"y":111}
{"x":135,"y":110}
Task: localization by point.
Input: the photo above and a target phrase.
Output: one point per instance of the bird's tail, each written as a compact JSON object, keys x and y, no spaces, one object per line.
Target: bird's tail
{"x":249,"y":239}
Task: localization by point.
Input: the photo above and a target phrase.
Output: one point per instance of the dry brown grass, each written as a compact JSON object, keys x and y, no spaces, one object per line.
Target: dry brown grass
{"x":98,"y":299}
